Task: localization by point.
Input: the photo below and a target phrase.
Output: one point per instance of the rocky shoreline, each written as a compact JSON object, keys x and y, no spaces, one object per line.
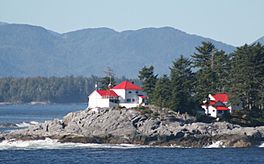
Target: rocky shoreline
{"x":155,"y":127}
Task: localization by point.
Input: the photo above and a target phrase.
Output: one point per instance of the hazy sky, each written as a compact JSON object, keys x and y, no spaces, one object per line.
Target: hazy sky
{"x":231,"y":21}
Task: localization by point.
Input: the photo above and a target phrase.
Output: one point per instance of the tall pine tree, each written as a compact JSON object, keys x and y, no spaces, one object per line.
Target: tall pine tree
{"x":211,"y":68}
{"x":248,"y":76}
{"x":148,"y":79}
{"x":181,"y":85}
{"x":162,"y":92}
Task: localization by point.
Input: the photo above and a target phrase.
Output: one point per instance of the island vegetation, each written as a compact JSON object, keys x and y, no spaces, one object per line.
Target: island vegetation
{"x":208,"y":71}
{"x":240,"y":74}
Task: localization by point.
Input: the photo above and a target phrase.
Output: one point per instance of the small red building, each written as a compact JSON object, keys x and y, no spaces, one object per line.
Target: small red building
{"x":216,"y":105}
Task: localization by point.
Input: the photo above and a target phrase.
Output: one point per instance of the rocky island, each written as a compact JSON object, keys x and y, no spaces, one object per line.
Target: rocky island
{"x":148,"y":126}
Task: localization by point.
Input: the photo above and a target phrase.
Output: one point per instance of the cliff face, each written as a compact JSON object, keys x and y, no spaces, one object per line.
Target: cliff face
{"x":156,"y":127}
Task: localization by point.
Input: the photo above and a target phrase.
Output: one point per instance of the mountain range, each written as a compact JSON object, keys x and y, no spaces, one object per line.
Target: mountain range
{"x":27,"y":50}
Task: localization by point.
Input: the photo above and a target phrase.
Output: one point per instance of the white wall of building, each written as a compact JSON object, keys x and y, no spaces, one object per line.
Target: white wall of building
{"x":96,"y":100}
{"x":121,"y":93}
{"x":210,"y":110}
{"x":140,"y":100}
{"x":132,"y":96}
{"x":128,"y":96}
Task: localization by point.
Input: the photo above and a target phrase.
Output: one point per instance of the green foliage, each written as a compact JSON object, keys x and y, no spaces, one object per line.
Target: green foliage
{"x":181,"y":85}
{"x":246,"y":118}
{"x":148,"y":79}
{"x":248,"y":76}
{"x":105,"y":81}
{"x":212,"y":70}
{"x":54,"y":89}
{"x":162,"y":92}
{"x":204,"y":118}
{"x":240,"y":74}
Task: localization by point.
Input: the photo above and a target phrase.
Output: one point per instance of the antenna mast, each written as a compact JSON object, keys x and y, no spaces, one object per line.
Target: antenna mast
{"x":109,"y":72}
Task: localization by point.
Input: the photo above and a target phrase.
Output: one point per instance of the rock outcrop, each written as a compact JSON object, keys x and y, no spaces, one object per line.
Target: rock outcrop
{"x":133,"y":126}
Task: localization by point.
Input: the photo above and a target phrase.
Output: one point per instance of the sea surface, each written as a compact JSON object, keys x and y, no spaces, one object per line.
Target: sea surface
{"x":50,"y":151}
{"x":22,"y":115}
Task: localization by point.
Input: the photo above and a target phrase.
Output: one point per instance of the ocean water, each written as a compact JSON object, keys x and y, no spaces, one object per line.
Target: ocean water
{"x":22,"y":115}
{"x":51,"y":151}
{"x":133,"y":155}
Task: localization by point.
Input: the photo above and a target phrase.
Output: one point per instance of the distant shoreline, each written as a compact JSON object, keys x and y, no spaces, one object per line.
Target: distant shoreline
{"x":38,"y":103}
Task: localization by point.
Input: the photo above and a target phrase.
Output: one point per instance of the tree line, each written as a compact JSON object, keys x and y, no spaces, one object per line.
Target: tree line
{"x":68,"y":89}
{"x":208,"y":71}
{"x":51,"y":89}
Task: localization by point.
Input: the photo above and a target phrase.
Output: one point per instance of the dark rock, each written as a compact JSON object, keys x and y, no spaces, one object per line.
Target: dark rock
{"x":2,"y":138}
{"x":179,"y":135}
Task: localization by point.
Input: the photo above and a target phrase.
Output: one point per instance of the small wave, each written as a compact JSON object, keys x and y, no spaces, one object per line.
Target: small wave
{"x":217,"y":144}
{"x":54,"y":144}
{"x":26,"y":124}
{"x":261,"y":145}
{"x":39,"y":102}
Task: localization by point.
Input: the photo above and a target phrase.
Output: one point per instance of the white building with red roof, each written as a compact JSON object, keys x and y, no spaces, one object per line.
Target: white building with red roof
{"x":216,"y":105}
{"x":125,"y":94}
{"x":130,"y":95}
{"x":103,"y":98}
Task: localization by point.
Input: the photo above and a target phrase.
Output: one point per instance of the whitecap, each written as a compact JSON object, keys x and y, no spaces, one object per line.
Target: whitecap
{"x":34,"y":122}
{"x":261,"y":145}
{"x":26,"y":124}
{"x":217,"y":144}
{"x":54,"y":144}
{"x":23,"y":125}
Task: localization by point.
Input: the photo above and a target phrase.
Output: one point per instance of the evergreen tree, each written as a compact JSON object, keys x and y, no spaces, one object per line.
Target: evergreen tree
{"x":212,"y":69}
{"x":162,"y":92}
{"x":106,"y":81}
{"x":148,"y":79}
{"x":221,"y":71}
{"x":248,"y":76}
{"x":181,"y":85}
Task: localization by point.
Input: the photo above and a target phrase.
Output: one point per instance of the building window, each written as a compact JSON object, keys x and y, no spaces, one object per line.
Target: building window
{"x":129,"y":92}
{"x":128,"y":100}
{"x":136,"y":91}
{"x":114,"y":101}
{"x":133,"y":100}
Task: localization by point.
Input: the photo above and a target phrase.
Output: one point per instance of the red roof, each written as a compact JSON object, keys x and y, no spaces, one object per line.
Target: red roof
{"x":222,"y":108}
{"x":107,"y":93}
{"x":127,"y":86}
{"x":212,"y":102}
{"x":222,"y":97}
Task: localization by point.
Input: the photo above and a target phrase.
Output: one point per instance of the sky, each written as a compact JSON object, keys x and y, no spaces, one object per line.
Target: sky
{"x":234,"y":22}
